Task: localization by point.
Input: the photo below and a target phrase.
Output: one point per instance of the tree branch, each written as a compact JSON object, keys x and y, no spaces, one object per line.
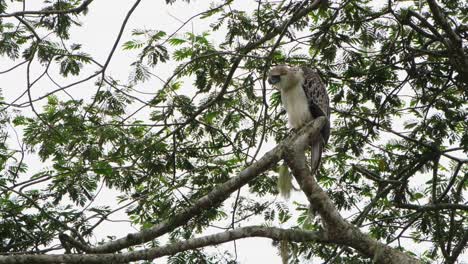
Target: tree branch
{"x":171,"y":249}
{"x":212,"y":199}
{"x":460,"y":59}
{"x":251,"y":45}
{"x":78,"y":9}
{"x":434,"y":207}
{"x":460,"y":247}
{"x":336,"y":228}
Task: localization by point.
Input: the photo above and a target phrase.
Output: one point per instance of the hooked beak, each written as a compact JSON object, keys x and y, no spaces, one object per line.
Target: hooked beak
{"x":274,"y":79}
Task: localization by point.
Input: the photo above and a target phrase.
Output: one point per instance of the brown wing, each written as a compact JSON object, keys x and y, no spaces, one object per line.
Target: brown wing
{"x":317,"y":96}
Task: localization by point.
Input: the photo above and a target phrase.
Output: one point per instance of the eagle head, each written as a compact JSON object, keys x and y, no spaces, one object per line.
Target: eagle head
{"x":284,"y":77}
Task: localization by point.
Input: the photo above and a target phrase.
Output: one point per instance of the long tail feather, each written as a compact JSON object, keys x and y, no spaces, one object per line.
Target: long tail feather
{"x":315,"y":156}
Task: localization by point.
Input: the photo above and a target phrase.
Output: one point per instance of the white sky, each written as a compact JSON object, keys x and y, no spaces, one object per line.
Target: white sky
{"x":98,"y":33}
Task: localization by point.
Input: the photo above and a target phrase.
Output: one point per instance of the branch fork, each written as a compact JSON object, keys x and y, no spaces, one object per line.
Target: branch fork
{"x":336,"y":228}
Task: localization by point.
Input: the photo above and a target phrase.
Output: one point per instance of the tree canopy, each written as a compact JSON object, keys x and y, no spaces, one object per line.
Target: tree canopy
{"x":190,"y":157}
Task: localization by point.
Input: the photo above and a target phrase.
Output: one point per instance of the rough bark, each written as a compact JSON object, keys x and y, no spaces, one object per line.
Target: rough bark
{"x":171,"y":249}
{"x":212,"y":199}
{"x":336,"y":228}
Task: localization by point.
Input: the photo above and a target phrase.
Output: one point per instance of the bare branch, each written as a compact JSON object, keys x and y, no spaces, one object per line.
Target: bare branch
{"x":149,"y":254}
{"x":434,"y":207}
{"x":212,"y":199}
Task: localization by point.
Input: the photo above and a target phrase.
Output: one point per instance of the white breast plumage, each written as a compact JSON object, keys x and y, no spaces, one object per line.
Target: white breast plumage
{"x":297,"y":107}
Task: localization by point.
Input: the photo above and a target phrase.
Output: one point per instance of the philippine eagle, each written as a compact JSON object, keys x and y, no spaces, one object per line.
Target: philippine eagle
{"x":305,"y":98}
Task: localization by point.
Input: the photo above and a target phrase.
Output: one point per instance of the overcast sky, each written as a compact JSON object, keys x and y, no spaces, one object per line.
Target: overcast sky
{"x":98,"y":33}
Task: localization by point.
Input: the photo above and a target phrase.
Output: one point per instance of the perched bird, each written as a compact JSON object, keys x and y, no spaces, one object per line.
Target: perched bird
{"x":305,"y":98}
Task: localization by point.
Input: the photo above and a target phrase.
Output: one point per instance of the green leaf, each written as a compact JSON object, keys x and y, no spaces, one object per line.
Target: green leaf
{"x":176,"y":41}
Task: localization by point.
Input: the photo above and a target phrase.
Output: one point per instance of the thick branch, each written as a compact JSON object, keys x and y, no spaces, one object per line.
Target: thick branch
{"x":441,"y":19}
{"x":460,"y":59}
{"x":221,"y":192}
{"x":335,"y":226}
{"x":171,"y":249}
{"x":214,"y":198}
{"x":460,"y":247}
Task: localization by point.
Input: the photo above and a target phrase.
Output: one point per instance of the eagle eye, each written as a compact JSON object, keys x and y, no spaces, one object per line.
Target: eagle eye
{"x":274,"y":79}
